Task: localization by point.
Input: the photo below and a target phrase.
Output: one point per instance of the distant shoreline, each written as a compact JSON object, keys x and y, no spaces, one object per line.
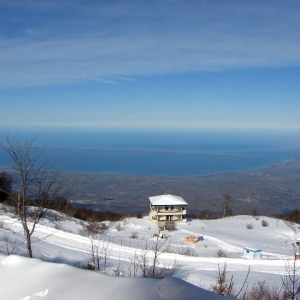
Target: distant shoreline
{"x":186,"y":152}
{"x":179,"y":154}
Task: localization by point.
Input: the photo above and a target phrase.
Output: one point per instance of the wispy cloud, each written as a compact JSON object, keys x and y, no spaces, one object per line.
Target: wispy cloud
{"x":53,"y":42}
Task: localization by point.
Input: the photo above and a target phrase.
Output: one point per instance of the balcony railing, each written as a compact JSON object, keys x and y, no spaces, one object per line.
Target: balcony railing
{"x":170,"y":210}
{"x":167,"y":208}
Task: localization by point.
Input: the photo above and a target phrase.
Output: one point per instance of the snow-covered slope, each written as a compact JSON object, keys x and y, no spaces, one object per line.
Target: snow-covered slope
{"x":28,"y":279}
{"x":66,"y":241}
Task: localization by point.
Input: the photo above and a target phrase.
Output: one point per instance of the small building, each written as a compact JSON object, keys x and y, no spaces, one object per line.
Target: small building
{"x":167,"y":208}
{"x":252,"y":253}
{"x":192,"y":239}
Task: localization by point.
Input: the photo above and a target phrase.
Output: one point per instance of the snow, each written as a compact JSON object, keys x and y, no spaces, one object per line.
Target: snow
{"x":167,"y":200}
{"x":24,"y":278}
{"x":61,"y":243}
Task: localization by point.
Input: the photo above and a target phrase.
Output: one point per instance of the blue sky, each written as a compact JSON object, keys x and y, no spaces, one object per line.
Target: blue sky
{"x":150,"y":64}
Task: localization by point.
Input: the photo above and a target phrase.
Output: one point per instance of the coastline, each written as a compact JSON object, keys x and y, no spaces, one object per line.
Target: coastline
{"x":271,"y":190}
{"x":166,"y":153}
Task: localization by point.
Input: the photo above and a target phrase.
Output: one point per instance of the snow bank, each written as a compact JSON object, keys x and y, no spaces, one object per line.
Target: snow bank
{"x":28,"y":279}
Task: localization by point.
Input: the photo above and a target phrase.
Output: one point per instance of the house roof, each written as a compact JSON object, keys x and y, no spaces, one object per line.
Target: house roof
{"x":167,"y":200}
{"x":252,"y":250}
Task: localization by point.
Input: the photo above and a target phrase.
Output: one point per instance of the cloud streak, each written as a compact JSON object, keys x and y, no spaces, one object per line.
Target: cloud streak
{"x":74,"y":42}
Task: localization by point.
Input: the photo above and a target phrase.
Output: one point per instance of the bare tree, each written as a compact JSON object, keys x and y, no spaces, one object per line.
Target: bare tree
{"x":133,"y":265}
{"x":144,"y":261}
{"x":291,"y":281}
{"x":95,"y":254}
{"x":148,"y":260}
{"x":226,"y":205}
{"x":159,"y":247}
{"x":11,"y":246}
{"x":105,"y":253}
{"x":223,"y":286}
{"x":100,"y":250}
{"x":36,"y":177}
{"x":119,"y":270}
{"x":262,"y":291}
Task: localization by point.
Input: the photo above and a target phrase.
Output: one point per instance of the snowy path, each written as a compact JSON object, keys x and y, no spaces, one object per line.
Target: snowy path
{"x":225,"y":246}
{"x":82,"y":245}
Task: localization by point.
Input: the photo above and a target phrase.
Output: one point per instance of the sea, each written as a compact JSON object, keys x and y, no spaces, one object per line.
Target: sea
{"x":159,"y":152}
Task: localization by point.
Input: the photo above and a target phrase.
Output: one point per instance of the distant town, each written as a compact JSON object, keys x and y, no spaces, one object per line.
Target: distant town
{"x":270,"y":191}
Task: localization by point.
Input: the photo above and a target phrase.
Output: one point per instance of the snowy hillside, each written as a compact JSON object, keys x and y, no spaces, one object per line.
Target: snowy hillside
{"x":67,"y":241}
{"x":28,"y":279}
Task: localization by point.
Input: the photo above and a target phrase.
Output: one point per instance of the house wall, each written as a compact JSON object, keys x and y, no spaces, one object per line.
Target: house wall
{"x":174,"y":213}
{"x":252,"y":254}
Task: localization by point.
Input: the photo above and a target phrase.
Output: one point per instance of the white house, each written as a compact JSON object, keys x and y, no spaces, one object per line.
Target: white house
{"x":167,"y":208}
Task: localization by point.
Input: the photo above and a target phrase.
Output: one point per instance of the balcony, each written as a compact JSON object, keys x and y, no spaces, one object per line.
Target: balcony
{"x":174,"y":211}
{"x":170,"y":212}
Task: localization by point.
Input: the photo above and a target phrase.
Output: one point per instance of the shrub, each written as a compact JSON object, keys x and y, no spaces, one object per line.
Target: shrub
{"x":221,"y":253}
{"x":264,"y":223}
{"x":223,"y":286}
{"x":139,"y":216}
{"x":161,"y":226}
{"x":134,"y":235}
{"x":263,"y":291}
{"x":95,"y":227}
{"x":170,"y":226}
{"x":167,"y":225}
{"x":293,"y":216}
{"x":86,"y":214}
{"x":119,"y":227}
{"x":249,"y":226}
{"x":79,"y":265}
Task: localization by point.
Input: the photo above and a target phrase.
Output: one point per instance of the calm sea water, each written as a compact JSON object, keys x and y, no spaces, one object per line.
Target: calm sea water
{"x":174,"y":153}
